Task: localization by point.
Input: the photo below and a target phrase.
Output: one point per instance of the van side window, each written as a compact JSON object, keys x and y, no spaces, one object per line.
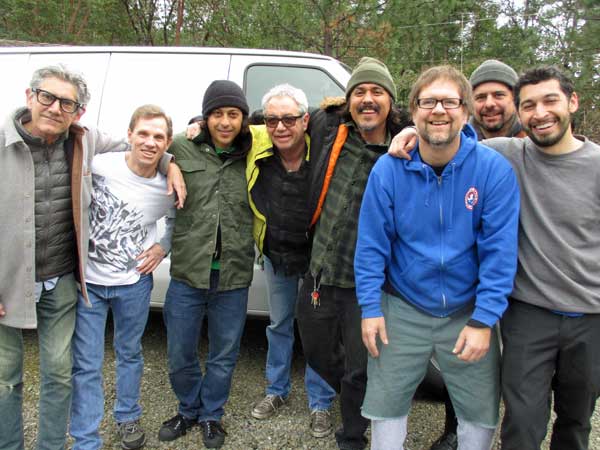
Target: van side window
{"x":315,"y":83}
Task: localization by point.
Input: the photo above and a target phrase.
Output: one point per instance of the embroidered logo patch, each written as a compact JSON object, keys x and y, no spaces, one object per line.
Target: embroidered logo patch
{"x":471,"y":198}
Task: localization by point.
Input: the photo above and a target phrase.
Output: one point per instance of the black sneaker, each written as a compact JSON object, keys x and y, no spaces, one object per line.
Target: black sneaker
{"x":174,"y":428}
{"x":345,"y":443}
{"x":447,"y":441}
{"x":213,"y":434}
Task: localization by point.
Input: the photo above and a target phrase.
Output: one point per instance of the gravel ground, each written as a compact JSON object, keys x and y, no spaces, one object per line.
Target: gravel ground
{"x":287,"y":430}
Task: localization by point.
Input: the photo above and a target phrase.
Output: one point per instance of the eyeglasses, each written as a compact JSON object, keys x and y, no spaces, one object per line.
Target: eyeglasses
{"x":47,"y":99}
{"x":287,"y":121}
{"x":431,"y":103}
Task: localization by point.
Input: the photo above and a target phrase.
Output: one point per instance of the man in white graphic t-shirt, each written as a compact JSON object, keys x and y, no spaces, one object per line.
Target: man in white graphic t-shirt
{"x":128,"y":198}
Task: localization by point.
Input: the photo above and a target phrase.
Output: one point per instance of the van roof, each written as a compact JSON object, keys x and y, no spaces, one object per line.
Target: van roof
{"x":181,"y":50}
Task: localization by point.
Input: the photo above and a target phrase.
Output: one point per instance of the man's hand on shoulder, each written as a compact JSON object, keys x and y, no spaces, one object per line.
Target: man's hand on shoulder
{"x":403,"y":143}
{"x":152,"y":258}
{"x":372,"y":327}
{"x":192,"y":130}
{"x":472,"y":343}
{"x":2,"y":311}
{"x":175,"y":182}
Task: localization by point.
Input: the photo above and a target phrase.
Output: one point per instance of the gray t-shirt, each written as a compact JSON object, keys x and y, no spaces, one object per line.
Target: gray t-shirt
{"x":559,"y":226}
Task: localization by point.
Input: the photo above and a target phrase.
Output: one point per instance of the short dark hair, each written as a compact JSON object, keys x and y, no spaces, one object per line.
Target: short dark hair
{"x":539,"y":74}
{"x":151,"y":112}
{"x":256,"y":118}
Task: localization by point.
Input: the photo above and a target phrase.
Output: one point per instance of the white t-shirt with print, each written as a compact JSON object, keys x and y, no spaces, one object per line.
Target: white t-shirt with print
{"x":123,"y":220}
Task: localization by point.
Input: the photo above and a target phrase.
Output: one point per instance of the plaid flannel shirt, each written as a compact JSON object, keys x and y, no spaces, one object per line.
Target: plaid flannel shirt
{"x":335,"y":234}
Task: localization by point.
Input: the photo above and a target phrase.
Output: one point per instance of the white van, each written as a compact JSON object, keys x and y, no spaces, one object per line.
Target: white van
{"x":122,"y":78}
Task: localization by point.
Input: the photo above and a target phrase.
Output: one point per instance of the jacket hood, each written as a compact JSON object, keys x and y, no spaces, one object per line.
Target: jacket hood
{"x":12,"y":134}
{"x":329,"y":103}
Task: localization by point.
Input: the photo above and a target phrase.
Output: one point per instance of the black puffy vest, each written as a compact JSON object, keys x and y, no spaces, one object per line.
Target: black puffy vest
{"x":54,"y":233}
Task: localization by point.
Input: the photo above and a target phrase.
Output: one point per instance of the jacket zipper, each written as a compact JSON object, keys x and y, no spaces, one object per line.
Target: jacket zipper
{"x":442,"y":262}
{"x":47,"y":176}
{"x":217,"y":194}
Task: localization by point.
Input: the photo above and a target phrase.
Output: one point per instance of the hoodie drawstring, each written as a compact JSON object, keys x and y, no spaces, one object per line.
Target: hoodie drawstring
{"x":428,"y":189}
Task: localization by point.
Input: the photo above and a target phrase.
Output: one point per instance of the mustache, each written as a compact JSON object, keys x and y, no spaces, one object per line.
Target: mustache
{"x":492,"y":109}
{"x":50,"y":113}
{"x":372,"y":106}
{"x":52,"y":116}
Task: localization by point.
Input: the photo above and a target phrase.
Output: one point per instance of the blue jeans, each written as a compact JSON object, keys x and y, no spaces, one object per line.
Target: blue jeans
{"x":56,"y":319}
{"x":130,"y":305}
{"x":282,"y":291}
{"x":202,"y":397}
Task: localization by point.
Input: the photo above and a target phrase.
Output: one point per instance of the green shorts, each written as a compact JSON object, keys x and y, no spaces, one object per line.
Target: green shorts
{"x":414,"y":337}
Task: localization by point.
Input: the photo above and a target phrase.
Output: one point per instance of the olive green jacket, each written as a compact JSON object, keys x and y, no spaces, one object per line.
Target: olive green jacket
{"x":217,"y":195}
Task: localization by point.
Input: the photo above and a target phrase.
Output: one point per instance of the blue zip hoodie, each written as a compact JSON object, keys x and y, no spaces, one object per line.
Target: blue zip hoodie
{"x":445,"y":242}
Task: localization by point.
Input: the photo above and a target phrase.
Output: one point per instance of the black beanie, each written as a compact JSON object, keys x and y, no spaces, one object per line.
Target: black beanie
{"x":222,"y":93}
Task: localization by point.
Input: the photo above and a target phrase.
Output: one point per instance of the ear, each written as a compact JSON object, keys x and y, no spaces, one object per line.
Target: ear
{"x":305,"y":120}
{"x":573,"y":103}
{"x":80,"y":113}
{"x":29,"y":98}
{"x":129,"y":133}
{"x":413,"y":116}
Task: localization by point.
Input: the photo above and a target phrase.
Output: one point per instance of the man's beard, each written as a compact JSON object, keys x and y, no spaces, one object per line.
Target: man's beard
{"x":550,"y":140}
{"x":498,"y":126}
{"x":492,"y":128}
{"x":368,"y":127}
{"x":439,"y":141}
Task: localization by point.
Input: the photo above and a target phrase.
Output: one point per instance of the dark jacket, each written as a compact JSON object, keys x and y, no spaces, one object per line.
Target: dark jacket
{"x":326,"y":128}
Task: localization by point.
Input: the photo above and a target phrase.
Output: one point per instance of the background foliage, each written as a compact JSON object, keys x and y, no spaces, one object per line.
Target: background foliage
{"x":407,"y":34}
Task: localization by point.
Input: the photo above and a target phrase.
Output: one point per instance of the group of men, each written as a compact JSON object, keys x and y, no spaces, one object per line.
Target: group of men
{"x":385,"y":261}
{"x":549,"y":324}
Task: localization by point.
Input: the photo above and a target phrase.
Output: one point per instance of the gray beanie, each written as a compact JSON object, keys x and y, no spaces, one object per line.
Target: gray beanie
{"x":371,"y":70}
{"x":494,"y":70}
{"x":222,"y":93}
